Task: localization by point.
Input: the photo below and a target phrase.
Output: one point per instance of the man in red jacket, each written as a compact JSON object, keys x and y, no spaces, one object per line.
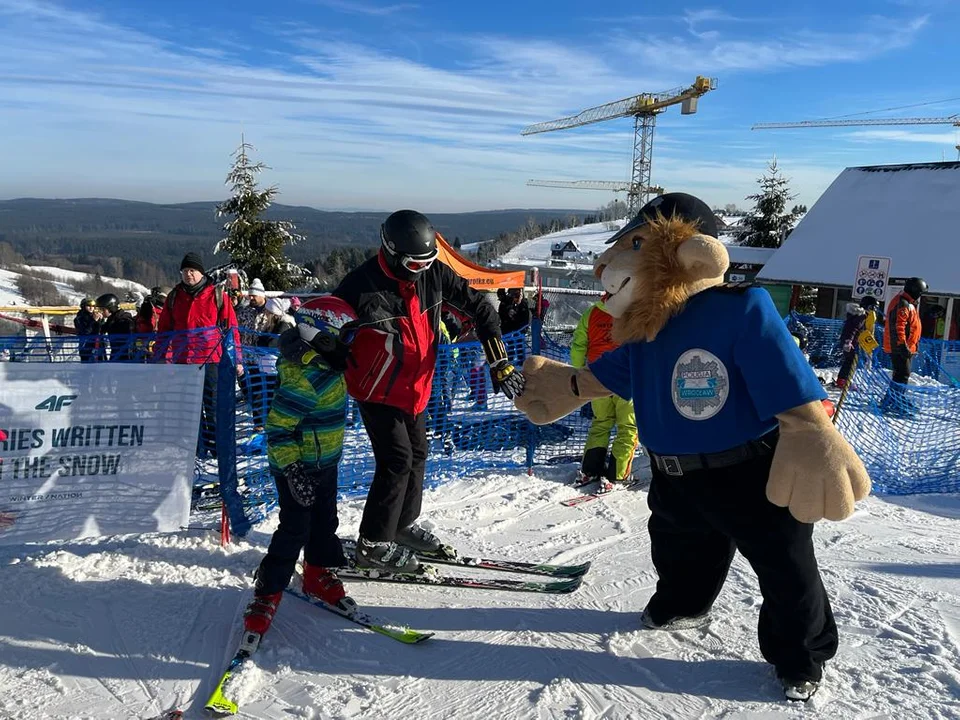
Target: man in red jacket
{"x":196,"y":322}
{"x":388,"y":365}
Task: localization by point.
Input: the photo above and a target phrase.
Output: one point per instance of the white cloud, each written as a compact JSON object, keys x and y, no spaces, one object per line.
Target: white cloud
{"x":790,"y":49}
{"x":358,"y":7}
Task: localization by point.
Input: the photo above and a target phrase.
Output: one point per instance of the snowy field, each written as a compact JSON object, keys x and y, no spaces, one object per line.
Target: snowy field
{"x":127,"y":627}
{"x":64,"y":281}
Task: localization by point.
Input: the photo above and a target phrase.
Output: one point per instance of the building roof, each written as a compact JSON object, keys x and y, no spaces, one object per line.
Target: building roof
{"x":740,"y":255}
{"x":909,"y":213}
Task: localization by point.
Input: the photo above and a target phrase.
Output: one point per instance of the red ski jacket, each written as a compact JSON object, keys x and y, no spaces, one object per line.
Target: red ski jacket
{"x":394,"y":349}
{"x":206,"y":308}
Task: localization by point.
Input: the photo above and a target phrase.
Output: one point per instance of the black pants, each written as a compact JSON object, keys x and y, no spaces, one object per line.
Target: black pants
{"x":399,"y":442}
{"x":901,"y":363}
{"x":700,"y":520}
{"x":207,"y":441}
{"x":847,"y":365}
{"x":311,"y":529}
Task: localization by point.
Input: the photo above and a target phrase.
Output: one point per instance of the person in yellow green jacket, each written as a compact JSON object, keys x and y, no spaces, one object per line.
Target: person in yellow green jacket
{"x":590,"y":340}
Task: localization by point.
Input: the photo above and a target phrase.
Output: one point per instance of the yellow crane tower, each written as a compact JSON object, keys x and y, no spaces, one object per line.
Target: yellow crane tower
{"x":644,"y":108}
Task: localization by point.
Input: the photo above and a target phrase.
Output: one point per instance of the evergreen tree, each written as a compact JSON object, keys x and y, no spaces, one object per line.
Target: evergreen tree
{"x":255,"y":245}
{"x":456,"y":242}
{"x":769,"y":224}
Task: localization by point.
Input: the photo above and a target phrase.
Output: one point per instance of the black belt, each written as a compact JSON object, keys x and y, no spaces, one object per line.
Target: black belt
{"x":677,"y":465}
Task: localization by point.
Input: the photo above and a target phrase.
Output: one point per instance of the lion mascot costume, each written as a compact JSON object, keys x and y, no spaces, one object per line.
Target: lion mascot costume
{"x":742,"y":453}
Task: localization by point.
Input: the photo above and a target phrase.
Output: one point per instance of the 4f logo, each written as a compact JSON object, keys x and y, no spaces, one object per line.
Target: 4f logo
{"x":55,"y":403}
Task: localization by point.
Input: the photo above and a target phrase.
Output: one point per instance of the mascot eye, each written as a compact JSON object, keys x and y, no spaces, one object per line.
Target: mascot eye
{"x":636,"y":243}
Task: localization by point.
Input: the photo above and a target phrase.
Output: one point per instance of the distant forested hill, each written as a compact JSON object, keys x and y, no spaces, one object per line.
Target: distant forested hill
{"x":145,"y":241}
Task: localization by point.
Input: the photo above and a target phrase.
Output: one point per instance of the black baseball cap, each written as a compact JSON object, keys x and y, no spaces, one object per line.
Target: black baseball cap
{"x":684,"y":206}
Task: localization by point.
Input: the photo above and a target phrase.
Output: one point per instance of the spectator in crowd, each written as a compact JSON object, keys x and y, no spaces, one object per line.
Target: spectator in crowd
{"x":87,"y":325}
{"x":853,"y":325}
{"x":591,"y":339}
{"x":514,"y":310}
{"x":206,"y":324}
{"x":118,"y":325}
{"x":901,"y":341}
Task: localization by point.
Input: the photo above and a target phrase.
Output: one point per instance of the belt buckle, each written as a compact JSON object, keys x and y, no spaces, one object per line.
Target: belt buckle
{"x":670,"y":464}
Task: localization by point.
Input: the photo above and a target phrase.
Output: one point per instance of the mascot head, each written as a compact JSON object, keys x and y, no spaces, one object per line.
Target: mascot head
{"x":665,"y":255}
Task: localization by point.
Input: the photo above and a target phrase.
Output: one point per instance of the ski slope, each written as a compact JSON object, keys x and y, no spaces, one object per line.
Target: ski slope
{"x":127,"y":627}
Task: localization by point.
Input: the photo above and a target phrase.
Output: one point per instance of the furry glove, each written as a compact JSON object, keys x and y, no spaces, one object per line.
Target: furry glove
{"x":815,"y":471}
{"x":549,"y":392}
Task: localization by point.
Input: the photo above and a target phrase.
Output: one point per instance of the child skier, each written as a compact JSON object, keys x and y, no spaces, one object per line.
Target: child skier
{"x":304,"y":443}
{"x":855,"y":323}
{"x":591,"y":339}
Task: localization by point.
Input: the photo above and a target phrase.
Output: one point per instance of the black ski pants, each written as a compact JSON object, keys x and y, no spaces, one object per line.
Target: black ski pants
{"x":399,"y":442}
{"x":311,"y":529}
{"x":699,"y":520}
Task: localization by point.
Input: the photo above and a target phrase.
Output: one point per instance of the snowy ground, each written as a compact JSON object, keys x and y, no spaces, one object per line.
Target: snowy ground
{"x":125,"y":627}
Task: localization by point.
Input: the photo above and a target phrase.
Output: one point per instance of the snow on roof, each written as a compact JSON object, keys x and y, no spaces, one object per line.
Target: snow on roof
{"x":593,"y":238}
{"x":909,"y":213}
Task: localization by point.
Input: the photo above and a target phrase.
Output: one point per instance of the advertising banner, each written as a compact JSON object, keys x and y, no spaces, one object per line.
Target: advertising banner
{"x":91,"y":449}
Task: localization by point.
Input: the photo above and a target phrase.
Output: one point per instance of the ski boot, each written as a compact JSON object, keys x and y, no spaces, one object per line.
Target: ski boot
{"x":322,"y":584}
{"x":799,"y":690}
{"x":582,"y":479}
{"x":675,"y":623}
{"x":259,"y":613}
{"x":425,"y":543}
{"x":386,"y":556}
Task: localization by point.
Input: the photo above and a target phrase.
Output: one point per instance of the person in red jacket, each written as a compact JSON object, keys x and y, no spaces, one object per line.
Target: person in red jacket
{"x":901,"y":340}
{"x":195,"y":325}
{"x":389,"y":362}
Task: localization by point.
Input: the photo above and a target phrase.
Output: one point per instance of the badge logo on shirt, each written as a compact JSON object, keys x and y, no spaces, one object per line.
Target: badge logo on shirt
{"x":700,"y":385}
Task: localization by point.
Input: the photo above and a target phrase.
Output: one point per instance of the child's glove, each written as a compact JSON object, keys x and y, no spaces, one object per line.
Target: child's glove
{"x":301,"y":487}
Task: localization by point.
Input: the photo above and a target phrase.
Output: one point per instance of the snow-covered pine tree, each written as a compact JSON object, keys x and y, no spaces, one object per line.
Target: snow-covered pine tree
{"x":769,"y":223}
{"x":255,"y":245}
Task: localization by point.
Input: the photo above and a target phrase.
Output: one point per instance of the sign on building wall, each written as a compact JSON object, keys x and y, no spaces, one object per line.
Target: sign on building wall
{"x":91,"y":449}
{"x":871,"y":277}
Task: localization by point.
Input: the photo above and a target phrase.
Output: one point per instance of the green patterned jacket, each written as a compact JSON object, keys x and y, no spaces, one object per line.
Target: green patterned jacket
{"x":306,"y":417}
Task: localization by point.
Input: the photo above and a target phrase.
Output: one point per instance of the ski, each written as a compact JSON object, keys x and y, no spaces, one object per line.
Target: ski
{"x":351,"y":611}
{"x":220,"y":703}
{"x":430,"y":575}
{"x":580,"y":499}
{"x":450,"y":556}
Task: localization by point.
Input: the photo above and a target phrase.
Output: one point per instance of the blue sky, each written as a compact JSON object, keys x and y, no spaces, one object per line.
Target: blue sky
{"x":371,"y":104}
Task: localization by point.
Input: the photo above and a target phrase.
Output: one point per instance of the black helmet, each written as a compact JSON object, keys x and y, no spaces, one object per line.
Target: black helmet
{"x":87,"y":302}
{"x":409,"y":243}
{"x":157,"y":296}
{"x":868,"y":302}
{"x":109,"y":301}
{"x":915,"y":287}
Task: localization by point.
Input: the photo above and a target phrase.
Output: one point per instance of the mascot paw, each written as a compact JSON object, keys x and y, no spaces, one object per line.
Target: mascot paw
{"x":816,"y":474}
{"x":547,"y":395}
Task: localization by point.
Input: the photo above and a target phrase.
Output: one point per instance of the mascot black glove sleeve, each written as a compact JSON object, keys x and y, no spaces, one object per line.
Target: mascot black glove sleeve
{"x":323,"y":349}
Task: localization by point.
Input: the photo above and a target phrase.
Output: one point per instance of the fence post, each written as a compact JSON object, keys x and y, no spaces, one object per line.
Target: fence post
{"x":226,"y":437}
{"x":536,"y":327}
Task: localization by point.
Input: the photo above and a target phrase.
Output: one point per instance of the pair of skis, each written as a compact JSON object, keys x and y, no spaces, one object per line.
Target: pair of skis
{"x":569,"y":579}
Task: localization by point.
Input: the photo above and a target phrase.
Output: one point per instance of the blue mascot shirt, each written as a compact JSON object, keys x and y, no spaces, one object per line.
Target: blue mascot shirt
{"x":715,"y":377}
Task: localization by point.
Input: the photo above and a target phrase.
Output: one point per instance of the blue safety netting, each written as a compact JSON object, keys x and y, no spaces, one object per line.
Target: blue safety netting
{"x":907,"y":435}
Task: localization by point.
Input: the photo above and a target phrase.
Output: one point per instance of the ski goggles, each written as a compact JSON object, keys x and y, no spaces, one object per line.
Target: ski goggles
{"x":419,"y":263}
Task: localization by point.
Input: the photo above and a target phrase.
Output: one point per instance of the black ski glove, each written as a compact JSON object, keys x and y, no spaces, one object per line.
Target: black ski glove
{"x":323,"y":349}
{"x":507,"y":378}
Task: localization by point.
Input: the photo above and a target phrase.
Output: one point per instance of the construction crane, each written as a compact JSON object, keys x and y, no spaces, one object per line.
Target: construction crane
{"x":644,"y":108}
{"x":949,"y":120}
{"x":614,"y":186}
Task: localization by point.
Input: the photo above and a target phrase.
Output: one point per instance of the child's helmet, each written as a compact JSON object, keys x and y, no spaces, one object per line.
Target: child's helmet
{"x":327,"y":315}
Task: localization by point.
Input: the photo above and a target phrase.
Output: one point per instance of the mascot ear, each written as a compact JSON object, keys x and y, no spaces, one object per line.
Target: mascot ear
{"x":703,"y":257}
